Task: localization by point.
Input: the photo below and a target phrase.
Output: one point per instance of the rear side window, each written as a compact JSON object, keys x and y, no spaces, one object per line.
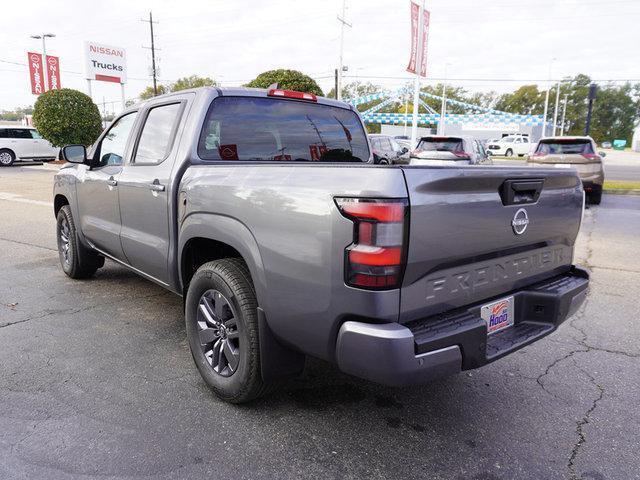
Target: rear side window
{"x":268,"y":129}
{"x":157,"y":134}
{"x":20,"y":133}
{"x":566,"y":147}
{"x":440,"y":144}
{"x":35,"y":135}
{"x":4,"y":133}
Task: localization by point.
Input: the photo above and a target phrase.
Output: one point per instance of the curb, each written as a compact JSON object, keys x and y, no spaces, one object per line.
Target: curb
{"x":634,"y":191}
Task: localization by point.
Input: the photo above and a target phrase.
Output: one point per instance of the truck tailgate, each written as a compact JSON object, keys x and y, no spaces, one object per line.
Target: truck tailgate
{"x":463,"y":246}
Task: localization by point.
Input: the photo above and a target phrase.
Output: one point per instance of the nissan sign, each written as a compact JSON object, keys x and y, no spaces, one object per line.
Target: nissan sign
{"x":105,"y":63}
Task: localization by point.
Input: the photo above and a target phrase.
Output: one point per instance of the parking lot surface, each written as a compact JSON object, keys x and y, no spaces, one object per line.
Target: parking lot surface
{"x":97,"y":381}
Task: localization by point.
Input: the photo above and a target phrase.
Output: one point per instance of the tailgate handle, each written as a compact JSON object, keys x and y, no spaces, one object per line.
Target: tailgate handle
{"x":517,"y":192}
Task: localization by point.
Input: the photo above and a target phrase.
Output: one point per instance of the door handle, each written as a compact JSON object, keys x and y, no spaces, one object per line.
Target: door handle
{"x":112,"y":182}
{"x":156,"y":186}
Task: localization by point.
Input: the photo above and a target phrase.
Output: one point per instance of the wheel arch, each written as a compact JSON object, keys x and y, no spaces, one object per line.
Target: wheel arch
{"x":205,"y":237}
{"x":59,"y":201}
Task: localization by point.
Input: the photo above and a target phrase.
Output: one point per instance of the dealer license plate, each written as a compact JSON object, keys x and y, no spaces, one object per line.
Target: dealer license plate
{"x":498,"y":315}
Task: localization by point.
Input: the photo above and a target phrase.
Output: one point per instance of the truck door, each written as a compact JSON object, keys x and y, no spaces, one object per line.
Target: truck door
{"x":97,"y":188}
{"x":144,"y":188}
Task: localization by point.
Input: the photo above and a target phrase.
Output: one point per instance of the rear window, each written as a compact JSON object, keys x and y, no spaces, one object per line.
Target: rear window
{"x":566,"y":147}
{"x":440,"y":145}
{"x":268,"y":129}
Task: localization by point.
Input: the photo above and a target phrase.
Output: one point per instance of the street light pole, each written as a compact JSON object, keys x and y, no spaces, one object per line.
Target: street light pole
{"x":555,"y":112}
{"x":44,"y":36}
{"x":564,"y":112}
{"x":443,"y":108}
{"x":546,"y":100}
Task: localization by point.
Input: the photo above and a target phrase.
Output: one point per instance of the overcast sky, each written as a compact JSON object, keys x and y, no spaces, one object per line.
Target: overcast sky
{"x":233,"y":41}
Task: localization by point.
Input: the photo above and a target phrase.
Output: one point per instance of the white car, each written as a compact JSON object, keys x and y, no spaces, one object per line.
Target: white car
{"x":24,"y":143}
{"x":509,"y":146}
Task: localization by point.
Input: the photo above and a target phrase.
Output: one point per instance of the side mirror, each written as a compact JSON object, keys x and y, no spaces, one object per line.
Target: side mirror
{"x":602,"y":154}
{"x":404,"y":150}
{"x":74,"y":153}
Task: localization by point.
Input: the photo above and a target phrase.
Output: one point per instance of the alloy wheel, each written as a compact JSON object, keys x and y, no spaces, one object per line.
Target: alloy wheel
{"x":5,"y":158}
{"x":64,"y":240}
{"x":218,"y":333}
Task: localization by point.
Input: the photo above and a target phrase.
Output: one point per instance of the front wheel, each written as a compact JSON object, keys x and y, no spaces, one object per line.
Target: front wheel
{"x":509,"y":153}
{"x":77,"y":261}
{"x":7,"y":157}
{"x":222,"y":329}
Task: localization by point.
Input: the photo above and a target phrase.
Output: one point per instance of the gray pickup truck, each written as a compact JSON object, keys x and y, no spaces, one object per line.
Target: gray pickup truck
{"x":264,"y":211}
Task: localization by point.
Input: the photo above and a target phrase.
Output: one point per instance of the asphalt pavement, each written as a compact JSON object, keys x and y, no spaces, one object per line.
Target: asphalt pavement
{"x":97,"y":381}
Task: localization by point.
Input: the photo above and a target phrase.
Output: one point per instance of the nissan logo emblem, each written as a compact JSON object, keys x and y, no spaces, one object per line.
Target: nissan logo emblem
{"x":520,"y":221}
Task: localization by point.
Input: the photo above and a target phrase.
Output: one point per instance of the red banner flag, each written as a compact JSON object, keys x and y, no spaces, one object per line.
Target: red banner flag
{"x":36,"y":73}
{"x":53,"y":73}
{"x":413,"y":59}
{"x":423,"y":47}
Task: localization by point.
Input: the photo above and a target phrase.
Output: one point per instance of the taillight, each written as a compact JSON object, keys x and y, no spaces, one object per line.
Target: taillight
{"x":590,"y":156}
{"x":276,"y":92}
{"x":535,"y":156}
{"x":375,"y":259}
{"x":461,"y":154}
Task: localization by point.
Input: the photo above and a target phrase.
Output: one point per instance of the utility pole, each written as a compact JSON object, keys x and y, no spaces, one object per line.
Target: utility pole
{"x":592,"y":96}
{"x":564,"y":112}
{"x":44,"y":36}
{"x":555,"y":112}
{"x":343,"y":22}
{"x":153,"y":54}
{"x":335,"y":94}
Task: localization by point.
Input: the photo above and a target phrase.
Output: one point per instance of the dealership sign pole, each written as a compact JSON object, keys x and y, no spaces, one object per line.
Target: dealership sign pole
{"x":106,"y":63}
{"x":418,"y":58}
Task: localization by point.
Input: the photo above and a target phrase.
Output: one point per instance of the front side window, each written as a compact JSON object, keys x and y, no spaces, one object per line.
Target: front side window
{"x":112,"y":147}
{"x":157,"y":135}
{"x":272,"y":129}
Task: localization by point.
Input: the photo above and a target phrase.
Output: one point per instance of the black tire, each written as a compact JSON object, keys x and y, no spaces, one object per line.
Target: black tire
{"x":595,"y":197}
{"x":222,"y":328}
{"x":77,"y":261}
{"x":383,"y":161}
{"x":508,"y":153}
{"x":7,"y":157}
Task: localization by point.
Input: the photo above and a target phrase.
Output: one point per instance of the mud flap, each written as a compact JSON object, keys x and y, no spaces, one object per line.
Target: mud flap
{"x":276,"y":361}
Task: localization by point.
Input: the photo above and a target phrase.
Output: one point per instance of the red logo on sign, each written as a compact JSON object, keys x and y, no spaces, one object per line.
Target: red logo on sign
{"x":228,"y":152}
{"x":36,"y":74}
{"x":53,"y":73}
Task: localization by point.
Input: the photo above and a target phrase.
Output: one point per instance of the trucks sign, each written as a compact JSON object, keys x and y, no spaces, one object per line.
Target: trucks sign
{"x":105,"y":63}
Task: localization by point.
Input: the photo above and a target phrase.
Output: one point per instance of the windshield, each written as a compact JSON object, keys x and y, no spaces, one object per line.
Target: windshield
{"x":440,"y":145}
{"x":508,"y":139}
{"x":567,"y":147}
{"x":268,"y":129}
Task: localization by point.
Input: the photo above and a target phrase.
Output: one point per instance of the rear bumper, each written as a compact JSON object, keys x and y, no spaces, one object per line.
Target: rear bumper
{"x":399,"y":355}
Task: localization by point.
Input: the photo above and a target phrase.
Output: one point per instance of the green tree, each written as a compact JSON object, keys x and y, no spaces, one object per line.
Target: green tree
{"x":286,"y":79}
{"x":148,"y":92}
{"x":67,"y":116}
{"x":194,"y":81}
{"x":526,"y":100}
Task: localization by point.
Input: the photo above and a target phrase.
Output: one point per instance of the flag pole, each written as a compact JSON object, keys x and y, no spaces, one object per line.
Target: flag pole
{"x":416,"y":83}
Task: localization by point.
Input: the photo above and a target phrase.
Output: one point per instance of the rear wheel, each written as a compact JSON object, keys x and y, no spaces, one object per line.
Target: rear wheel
{"x":383,"y":161}
{"x":222,"y":329}
{"x":77,"y":261}
{"x":595,"y":197}
{"x":7,"y":157}
{"x":509,"y":153}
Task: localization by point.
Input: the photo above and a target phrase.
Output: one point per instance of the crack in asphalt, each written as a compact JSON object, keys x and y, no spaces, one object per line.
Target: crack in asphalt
{"x":27,"y":244}
{"x":582,"y":436}
{"x":71,"y":311}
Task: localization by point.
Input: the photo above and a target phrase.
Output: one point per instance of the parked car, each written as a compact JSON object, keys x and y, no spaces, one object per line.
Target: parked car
{"x":387,"y":151}
{"x":509,"y":146}
{"x":449,"y":150}
{"x":404,"y":141}
{"x":24,"y":143}
{"x":264,"y":211}
{"x":606,"y":145}
{"x":573,"y":152}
